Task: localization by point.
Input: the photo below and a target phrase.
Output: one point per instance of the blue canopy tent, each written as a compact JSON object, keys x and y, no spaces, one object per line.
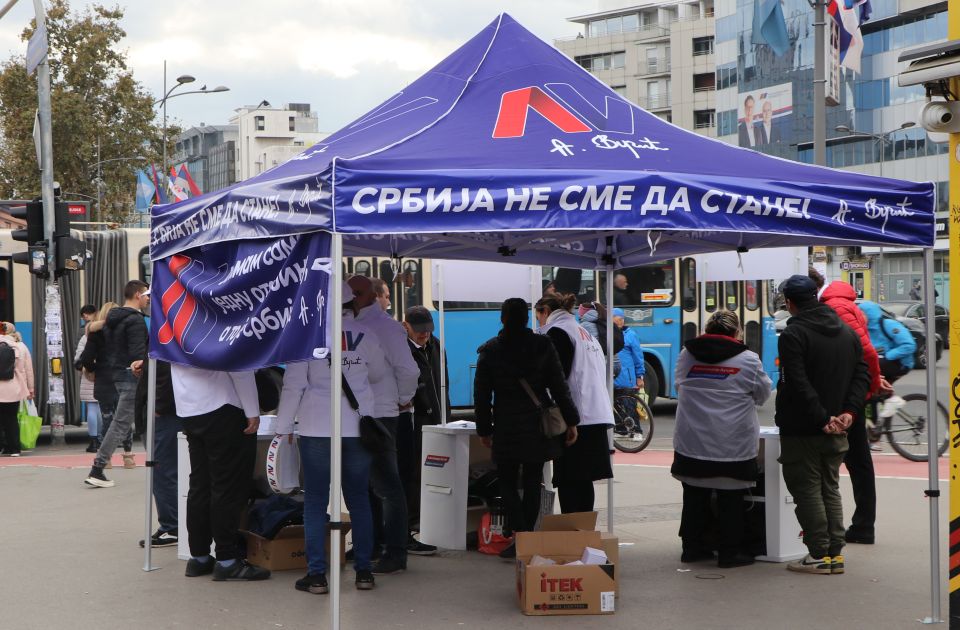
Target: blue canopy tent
{"x":506,"y":150}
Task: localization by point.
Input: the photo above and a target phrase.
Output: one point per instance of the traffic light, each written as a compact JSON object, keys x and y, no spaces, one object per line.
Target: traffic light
{"x":36,"y":254}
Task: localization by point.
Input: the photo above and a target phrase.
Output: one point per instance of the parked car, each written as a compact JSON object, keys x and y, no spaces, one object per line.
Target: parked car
{"x":917,"y":310}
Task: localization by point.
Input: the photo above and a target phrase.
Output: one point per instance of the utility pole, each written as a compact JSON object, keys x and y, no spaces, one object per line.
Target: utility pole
{"x":819,"y":84}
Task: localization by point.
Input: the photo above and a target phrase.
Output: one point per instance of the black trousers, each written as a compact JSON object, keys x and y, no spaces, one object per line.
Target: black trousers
{"x":521,"y":513}
{"x":859,"y":463}
{"x":9,"y":427}
{"x":699,"y":527}
{"x":576,"y":496}
{"x":221,"y":472}
{"x":410,"y":462}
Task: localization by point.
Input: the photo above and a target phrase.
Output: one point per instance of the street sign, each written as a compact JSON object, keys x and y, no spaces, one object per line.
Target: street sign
{"x":37,"y":49}
{"x":855,"y":265}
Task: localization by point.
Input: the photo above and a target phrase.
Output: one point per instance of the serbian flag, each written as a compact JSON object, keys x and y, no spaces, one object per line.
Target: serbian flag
{"x":849,"y":15}
{"x":184,"y":176}
{"x":158,"y":186}
{"x":177,"y":186}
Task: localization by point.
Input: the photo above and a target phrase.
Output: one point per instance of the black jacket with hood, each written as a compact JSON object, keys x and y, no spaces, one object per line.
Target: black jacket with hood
{"x":426,"y":402}
{"x":822,"y":372}
{"x":126,"y":337}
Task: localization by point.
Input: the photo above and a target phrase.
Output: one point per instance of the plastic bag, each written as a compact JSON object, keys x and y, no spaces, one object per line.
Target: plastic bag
{"x":488,"y":540}
{"x":30,"y":424}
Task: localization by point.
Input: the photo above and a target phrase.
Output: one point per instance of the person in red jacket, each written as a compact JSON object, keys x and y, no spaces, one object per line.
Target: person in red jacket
{"x":841,"y":296}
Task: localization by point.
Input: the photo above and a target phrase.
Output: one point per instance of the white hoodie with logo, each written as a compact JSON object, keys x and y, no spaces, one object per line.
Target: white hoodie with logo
{"x":398,"y":383}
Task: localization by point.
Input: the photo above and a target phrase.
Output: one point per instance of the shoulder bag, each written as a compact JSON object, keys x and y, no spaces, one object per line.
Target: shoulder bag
{"x":551,"y":420}
{"x":374,"y":434}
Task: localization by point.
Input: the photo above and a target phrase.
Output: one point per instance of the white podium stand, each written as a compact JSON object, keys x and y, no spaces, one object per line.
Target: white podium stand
{"x":445,"y":474}
{"x":784,"y":535}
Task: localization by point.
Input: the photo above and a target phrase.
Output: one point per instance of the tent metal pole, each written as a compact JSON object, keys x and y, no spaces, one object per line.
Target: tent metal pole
{"x":610,"y":354}
{"x":148,"y":442}
{"x":443,"y":350}
{"x":335,"y":309}
{"x":933,"y":439}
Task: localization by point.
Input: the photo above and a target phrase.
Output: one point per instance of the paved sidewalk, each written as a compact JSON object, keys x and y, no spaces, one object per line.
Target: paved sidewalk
{"x":70,"y":560}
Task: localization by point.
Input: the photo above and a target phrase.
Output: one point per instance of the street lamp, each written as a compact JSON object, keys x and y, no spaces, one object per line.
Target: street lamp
{"x":882,"y":139}
{"x":183,"y":79}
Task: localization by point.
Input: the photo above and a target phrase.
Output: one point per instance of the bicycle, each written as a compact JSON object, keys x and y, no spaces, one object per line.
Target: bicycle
{"x":633,"y":421}
{"x":906,"y":430}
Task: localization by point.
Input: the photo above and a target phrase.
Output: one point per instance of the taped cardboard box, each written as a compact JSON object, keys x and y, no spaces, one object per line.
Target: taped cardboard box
{"x":583,"y":521}
{"x":558,"y":589}
{"x":287,"y":550}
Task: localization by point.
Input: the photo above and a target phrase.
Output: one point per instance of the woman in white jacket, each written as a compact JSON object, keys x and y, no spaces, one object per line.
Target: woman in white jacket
{"x":306,"y":398}
{"x":719,"y":384}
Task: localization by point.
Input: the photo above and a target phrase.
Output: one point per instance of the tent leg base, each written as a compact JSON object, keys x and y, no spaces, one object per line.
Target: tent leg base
{"x":929,"y":620}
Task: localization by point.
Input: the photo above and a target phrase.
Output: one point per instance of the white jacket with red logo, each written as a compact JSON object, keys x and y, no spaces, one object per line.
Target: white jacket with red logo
{"x":719,"y":384}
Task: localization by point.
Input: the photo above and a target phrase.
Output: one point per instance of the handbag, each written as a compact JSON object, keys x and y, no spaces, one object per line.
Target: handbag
{"x":30,"y":424}
{"x":551,"y":420}
{"x":374,"y":434}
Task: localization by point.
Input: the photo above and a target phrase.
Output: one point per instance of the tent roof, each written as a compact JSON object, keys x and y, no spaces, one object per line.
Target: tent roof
{"x":509,"y":148}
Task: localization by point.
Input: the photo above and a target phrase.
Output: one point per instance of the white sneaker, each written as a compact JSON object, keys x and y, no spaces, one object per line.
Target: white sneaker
{"x":891,"y":406}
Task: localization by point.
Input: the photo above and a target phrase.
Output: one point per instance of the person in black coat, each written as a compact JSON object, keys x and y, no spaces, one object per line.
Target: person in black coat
{"x":508,"y":420}
{"x":94,"y":361}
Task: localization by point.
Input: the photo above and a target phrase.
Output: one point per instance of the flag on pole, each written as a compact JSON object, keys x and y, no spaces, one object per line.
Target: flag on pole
{"x":158,"y":186}
{"x":769,"y":26}
{"x":190,"y":184}
{"x":145,"y":191}
{"x":849,"y":15}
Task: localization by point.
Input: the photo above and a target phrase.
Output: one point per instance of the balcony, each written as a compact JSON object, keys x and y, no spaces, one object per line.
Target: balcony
{"x":653,"y":103}
{"x":656,"y":66}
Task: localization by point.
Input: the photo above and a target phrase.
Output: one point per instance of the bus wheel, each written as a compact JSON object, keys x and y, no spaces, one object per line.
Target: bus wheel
{"x":651,"y":383}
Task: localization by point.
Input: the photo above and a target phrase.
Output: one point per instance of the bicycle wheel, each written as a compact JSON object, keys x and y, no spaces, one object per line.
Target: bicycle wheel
{"x":633,"y":429}
{"x":907,"y":429}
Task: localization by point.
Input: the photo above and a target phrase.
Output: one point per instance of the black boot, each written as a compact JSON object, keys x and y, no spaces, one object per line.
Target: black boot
{"x":94,"y":445}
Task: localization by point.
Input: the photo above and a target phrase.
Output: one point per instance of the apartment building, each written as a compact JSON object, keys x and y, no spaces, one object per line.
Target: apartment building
{"x":269,"y":136}
{"x":197,"y":147}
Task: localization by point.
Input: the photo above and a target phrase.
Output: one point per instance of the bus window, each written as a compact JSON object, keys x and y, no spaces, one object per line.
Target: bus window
{"x":580,"y":282}
{"x":361,"y":268}
{"x":386,"y":271}
{"x":649,"y":285}
{"x":146,"y":269}
{"x":688,"y":280}
{"x":710,"y":299}
{"x":751,"y":336}
{"x":772,"y":298}
{"x":752,"y":299}
{"x":731,"y":294}
{"x":412,"y":281}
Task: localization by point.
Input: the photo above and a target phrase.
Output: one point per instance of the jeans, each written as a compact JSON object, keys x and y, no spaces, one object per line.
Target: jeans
{"x":389,"y":502}
{"x":521,"y":513}
{"x":92,"y":413}
{"x":107,"y":408}
{"x":221,"y":476}
{"x":122,"y":424}
{"x":165,"y":470}
{"x":811,"y":470}
{"x":355,"y":481}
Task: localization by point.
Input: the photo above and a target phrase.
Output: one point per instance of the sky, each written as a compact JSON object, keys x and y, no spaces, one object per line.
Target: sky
{"x":343,"y":57}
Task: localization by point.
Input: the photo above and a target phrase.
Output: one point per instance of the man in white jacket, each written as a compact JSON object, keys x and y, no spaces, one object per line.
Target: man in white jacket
{"x":393,"y":393}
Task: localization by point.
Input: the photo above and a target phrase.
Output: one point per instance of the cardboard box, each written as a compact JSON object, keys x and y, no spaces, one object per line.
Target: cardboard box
{"x":558,"y":589}
{"x":288,"y":549}
{"x":584,"y":521}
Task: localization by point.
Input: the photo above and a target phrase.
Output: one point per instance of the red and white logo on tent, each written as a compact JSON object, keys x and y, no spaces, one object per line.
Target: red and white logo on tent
{"x":564,"y":107}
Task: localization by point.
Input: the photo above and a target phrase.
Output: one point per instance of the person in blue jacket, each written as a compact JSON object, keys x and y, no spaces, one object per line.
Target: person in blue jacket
{"x":894,"y":344}
{"x":631,"y":357}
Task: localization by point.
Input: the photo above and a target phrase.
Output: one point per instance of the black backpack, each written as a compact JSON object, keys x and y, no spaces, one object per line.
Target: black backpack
{"x":8,"y":361}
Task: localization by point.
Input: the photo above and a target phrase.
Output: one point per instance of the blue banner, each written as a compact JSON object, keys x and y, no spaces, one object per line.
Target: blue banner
{"x":242,"y":305}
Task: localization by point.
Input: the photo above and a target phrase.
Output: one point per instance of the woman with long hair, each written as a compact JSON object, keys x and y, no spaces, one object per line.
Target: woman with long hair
{"x":584,"y":367}
{"x":508,"y":417}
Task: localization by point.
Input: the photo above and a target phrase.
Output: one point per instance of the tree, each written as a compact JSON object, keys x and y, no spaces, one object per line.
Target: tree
{"x":94,"y":97}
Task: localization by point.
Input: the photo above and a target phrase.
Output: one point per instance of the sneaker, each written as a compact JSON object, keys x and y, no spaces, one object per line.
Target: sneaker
{"x":94,"y":446}
{"x":365,"y":580}
{"x":418,"y":548}
{"x":509,"y":552}
{"x":315,"y":583}
{"x":809,"y":564}
{"x":239,"y":571}
{"x":858,"y":538}
{"x":196,"y":568}
{"x":97,"y":479}
{"x":738,"y":559}
{"x":836,"y":564}
{"x":388,"y":565}
{"x":890,"y":406}
{"x":163,"y":539}
{"x":14,"y":454}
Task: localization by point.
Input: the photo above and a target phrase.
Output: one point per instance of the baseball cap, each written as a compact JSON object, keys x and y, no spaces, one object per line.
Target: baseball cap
{"x":618,"y":312}
{"x":419,"y":319}
{"x":799,"y":288}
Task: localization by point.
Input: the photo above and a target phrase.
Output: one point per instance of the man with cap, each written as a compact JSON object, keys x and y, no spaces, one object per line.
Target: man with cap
{"x":425,"y":348}
{"x":823,"y":383}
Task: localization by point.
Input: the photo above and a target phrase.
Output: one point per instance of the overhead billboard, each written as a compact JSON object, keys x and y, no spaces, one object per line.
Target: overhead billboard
{"x":765,"y":116}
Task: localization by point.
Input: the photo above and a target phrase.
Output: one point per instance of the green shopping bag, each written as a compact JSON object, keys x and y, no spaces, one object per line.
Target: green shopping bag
{"x":29,"y":425}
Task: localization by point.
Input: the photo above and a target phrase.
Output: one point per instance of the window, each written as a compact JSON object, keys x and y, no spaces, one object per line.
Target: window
{"x":146,"y":269}
{"x":704,"y":82}
{"x":688,"y":282}
{"x":411,"y":281}
{"x":580,"y":282}
{"x":752,"y":298}
{"x":731,"y":294}
{"x":618,"y":60}
{"x":293,"y":123}
{"x":362,"y":268}
{"x":710,"y":296}
{"x":620,"y":89}
{"x":608,"y":61}
{"x":258,"y":121}
{"x":702,"y":46}
{"x":631,"y":22}
{"x":614,"y":26}
{"x":649,"y":285}
{"x":598,"y":28}
{"x":703,"y":119}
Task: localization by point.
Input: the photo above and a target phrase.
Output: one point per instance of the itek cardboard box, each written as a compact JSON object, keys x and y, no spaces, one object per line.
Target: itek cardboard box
{"x":563,"y":590}
{"x":288,"y":549}
{"x":583,"y":521}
